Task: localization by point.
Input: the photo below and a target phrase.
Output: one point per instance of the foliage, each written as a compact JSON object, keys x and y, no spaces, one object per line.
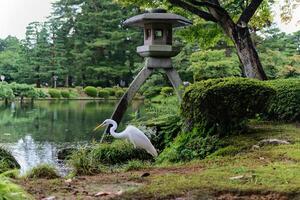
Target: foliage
{"x":10,"y":191}
{"x":94,"y":159}
{"x":111,"y":91}
{"x":90,"y":91}
{"x":54,"y":93}
{"x":65,"y":94}
{"x":285,"y":105}
{"x":136,"y":165}
{"x":214,"y":64}
{"x":188,"y":146}
{"x":119,"y":93}
{"x":103,"y":93}
{"x":41,"y":94}
{"x":7,"y":161}
{"x":23,"y":90}
{"x":6,"y":92}
{"x":44,"y":171}
{"x":221,"y":106}
{"x":167,"y":91}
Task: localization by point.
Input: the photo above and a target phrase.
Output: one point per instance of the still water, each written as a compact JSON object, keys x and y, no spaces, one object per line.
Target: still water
{"x":35,"y":133}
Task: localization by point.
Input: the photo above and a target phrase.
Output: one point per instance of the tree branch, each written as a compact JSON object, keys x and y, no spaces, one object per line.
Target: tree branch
{"x":204,"y":15}
{"x":249,"y":12}
{"x":208,"y":5}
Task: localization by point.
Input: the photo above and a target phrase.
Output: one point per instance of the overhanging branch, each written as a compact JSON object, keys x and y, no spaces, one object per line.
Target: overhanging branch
{"x":249,"y":12}
{"x":204,"y":15}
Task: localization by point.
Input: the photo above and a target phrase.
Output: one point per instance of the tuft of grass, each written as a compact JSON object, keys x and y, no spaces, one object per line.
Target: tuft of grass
{"x":136,"y":165}
{"x":45,"y":171}
{"x":10,"y":191}
{"x":97,"y":159}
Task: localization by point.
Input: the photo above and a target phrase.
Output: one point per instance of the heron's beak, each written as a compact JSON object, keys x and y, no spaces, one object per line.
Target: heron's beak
{"x":101,"y":125}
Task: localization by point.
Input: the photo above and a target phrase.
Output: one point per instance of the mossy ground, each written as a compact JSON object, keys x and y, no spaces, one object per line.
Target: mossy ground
{"x":270,"y":172}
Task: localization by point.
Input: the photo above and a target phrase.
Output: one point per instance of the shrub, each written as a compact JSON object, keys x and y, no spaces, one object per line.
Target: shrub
{"x":167,"y":91}
{"x":6,"y":92}
{"x":94,"y":159}
{"x":40,"y":93}
{"x":188,"y":146}
{"x":152,"y":92}
{"x":222,"y":106}
{"x":7,"y":161}
{"x":103,"y":93}
{"x":65,"y":94}
{"x":136,"y":165}
{"x":285,"y":106}
{"x":23,"y":90}
{"x":119,"y":93}
{"x":111,"y":91}
{"x":91,"y":91}
{"x":43,"y":171}
{"x":54,"y":93}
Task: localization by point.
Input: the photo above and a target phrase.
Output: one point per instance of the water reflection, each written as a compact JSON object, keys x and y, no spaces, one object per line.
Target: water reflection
{"x":34,"y":133}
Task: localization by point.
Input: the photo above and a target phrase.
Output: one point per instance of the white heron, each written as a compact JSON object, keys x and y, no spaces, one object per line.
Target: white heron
{"x":133,"y":134}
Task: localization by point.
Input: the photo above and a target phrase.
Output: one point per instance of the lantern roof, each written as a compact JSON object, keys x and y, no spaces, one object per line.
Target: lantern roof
{"x":157,"y":16}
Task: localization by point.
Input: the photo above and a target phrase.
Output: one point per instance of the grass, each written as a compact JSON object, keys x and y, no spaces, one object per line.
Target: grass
{"x":43,"y":171}
{"x":10,"y":191}
{"x":268,"y":169}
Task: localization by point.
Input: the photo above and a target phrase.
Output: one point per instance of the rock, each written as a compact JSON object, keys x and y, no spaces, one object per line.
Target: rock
{"x":64,"y":153}
{"x":145,"y":174}
{"x":68,"y":181}
{"x":272,"y":142}
{"x":237,"y":177}
{"x":101,"y":194}
{"x":49,"y":198}
{"x":119,"y":193}
{"x":255,"y":147}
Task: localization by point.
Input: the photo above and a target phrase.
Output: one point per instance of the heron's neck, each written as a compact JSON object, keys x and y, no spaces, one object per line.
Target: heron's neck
{"x":113,"y":130}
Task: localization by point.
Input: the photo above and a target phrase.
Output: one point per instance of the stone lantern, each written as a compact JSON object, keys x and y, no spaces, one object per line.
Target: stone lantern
{"x":158,"y":50}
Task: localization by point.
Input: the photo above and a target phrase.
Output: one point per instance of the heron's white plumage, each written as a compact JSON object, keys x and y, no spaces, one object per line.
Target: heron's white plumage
{"x":134,"y":135}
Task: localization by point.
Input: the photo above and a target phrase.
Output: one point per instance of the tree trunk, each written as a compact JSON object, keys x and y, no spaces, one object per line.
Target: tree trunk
{"x":252,"y":67}
{"x":67,"y":81}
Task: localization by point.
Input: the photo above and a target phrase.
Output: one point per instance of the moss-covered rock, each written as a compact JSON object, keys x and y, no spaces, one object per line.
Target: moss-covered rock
{"x":7,"y":161}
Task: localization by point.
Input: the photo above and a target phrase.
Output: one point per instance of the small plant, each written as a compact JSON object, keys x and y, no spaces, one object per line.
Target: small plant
{"x":43,"y":171}
{"x":40,"y":93}
{"x":10,"y":191}
{"x":167,"y":91}
{"x":111,"y":91}
{"x":65,"y":94}
{"x":136,"y":165}
{"x":91,"y":91}
{"x":54,"y":93}
{"x":103,"y":93}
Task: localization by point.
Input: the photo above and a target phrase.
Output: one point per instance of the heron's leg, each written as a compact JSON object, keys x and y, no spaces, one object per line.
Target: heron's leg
{"x":128,"y":96}
{"x":175,"y":81}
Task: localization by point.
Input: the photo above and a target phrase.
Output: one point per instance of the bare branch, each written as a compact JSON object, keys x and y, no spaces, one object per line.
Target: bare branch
{"x":249,"y":12}
{"x":204,"y":15}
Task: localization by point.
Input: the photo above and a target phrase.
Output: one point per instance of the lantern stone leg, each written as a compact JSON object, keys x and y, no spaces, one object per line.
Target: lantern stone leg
{"x":175,"y":81}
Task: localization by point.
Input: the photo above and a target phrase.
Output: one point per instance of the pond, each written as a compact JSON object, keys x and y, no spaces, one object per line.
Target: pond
{"x":34,"y":133}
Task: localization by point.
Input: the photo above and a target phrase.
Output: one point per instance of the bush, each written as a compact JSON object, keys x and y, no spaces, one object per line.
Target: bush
{"x":103,"y":93}
{"x":167,"y":91}
{"x":152,"y":92}
{"x":54,"y":93}
{"x":188,"y":146}
{"x":91,"y":91}
{"x":40,"y":93}
{"x":222,"y":106}
{"x":23,"y":90}
{"x":6,"y":92}
{"x":65,"y":94}
{"x":136,"y":165}
{"x":111,"y":91}
{"x":7,"y":161}
{"x":285,"y":106}
{"x":119,"y":93}
{"x":43,"y":171}
{"x":93,"y":160}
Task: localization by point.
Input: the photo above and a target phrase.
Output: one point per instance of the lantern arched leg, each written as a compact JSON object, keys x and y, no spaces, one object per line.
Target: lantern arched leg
{"x":175,"y":81}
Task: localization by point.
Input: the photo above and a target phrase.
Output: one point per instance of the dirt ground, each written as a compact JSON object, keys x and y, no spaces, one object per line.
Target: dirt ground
{"x":114,"y":185}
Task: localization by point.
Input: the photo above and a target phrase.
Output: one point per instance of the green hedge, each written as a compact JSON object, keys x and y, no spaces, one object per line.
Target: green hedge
{"x":285,"y":106}
{"x":103,"y":93}
{"x":23,"y":90}
{"x":91,"y":91}
{"x":6,"y":92}
{"x":111,"y":91}
{"x":54,"y":93}
{"x":119,"y":93}
{"x":222,"y":106}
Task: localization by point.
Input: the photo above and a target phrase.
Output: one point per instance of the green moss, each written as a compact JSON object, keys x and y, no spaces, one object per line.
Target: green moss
{"x":7,"y":161}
